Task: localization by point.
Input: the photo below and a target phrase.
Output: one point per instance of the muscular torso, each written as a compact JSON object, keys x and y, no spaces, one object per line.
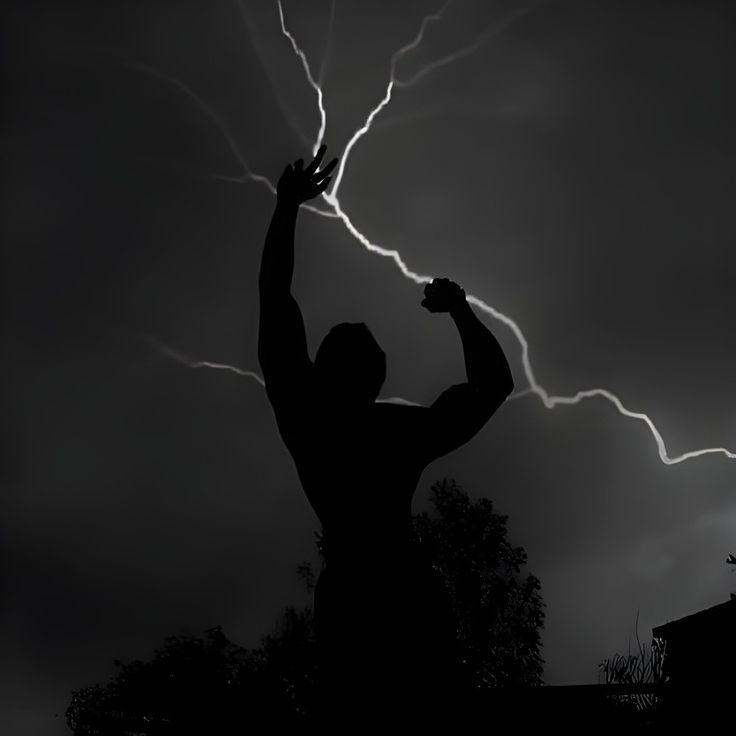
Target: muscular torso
{"x":359,"y":468}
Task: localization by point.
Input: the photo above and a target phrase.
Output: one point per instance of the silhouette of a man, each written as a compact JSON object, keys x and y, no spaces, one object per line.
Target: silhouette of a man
{"x":382,"y":620}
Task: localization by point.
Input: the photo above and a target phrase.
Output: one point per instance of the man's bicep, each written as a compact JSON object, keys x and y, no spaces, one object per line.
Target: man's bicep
{"x":457,"y":416}
{"x":282,"y":344}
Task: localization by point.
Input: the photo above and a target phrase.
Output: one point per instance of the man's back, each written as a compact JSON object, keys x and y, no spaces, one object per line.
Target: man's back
{"x":352,"y":461}
{"x":360,"y":465}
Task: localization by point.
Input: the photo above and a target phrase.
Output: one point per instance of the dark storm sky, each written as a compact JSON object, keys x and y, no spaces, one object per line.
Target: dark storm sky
{"x":576,"y":173}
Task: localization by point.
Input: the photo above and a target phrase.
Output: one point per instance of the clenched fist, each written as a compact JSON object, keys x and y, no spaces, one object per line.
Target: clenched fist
{"x":443,"y":295}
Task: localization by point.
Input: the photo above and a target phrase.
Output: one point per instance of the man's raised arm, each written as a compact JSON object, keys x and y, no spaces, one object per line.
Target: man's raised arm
{"x":486,"y":366}
{"x":282,"y":342}
{"x":461,"y":411}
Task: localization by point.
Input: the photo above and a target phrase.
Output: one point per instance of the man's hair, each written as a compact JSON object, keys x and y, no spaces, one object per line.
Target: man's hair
{"x":351,"y":362}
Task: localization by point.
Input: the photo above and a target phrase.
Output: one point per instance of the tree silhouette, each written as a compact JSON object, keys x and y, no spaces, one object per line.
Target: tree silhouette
{"x":210,"y":685}
{"x":499,"y":612}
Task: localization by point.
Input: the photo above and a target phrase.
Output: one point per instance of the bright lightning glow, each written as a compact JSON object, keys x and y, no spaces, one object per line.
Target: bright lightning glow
{"x":331,"y":198}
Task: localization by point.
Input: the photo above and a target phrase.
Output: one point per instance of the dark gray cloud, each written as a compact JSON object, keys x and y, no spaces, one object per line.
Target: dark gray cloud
{"x":576,"y":173}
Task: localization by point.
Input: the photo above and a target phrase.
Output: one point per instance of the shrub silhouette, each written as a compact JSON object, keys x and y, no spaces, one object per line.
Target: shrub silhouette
{"x":207,"y":685}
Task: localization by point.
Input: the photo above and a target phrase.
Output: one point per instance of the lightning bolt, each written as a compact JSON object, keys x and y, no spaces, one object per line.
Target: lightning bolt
{"x":179,"y":357}
{"x":316,"y":87}
{"x":550,"y":401}
{"x":328,"y":47}
{"x":176,"y":355}
{"x":465,"y":50}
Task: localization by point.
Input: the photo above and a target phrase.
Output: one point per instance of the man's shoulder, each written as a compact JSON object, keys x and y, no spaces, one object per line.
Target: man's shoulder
{"x":398,"y":407}
{"x":399,"y":416}
{"x":291,"y":385}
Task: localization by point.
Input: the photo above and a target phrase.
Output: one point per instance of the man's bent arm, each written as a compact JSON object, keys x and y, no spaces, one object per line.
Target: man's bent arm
{"x":460,"y":412}
{"x":485,"y":363}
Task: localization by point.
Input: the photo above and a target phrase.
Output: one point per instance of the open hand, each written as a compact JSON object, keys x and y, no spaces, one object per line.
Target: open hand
{"x":442,"y":295}
{"x":298,"y":184}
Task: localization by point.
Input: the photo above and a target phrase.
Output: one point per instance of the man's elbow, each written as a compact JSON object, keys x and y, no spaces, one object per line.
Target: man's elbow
{"x":490,"y":397}
{"x":507,"y":384}
{"x":498,"y":391}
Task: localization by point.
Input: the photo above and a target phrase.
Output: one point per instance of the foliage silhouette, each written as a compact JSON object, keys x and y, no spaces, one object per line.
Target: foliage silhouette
{"x":203,"y":685}
{"x":498,"y":612}
{"x":200,"y":686}
{"x":645,"y":667}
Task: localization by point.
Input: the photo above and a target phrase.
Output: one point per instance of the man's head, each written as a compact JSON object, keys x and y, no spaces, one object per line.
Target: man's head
{"x":350,"y":364}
